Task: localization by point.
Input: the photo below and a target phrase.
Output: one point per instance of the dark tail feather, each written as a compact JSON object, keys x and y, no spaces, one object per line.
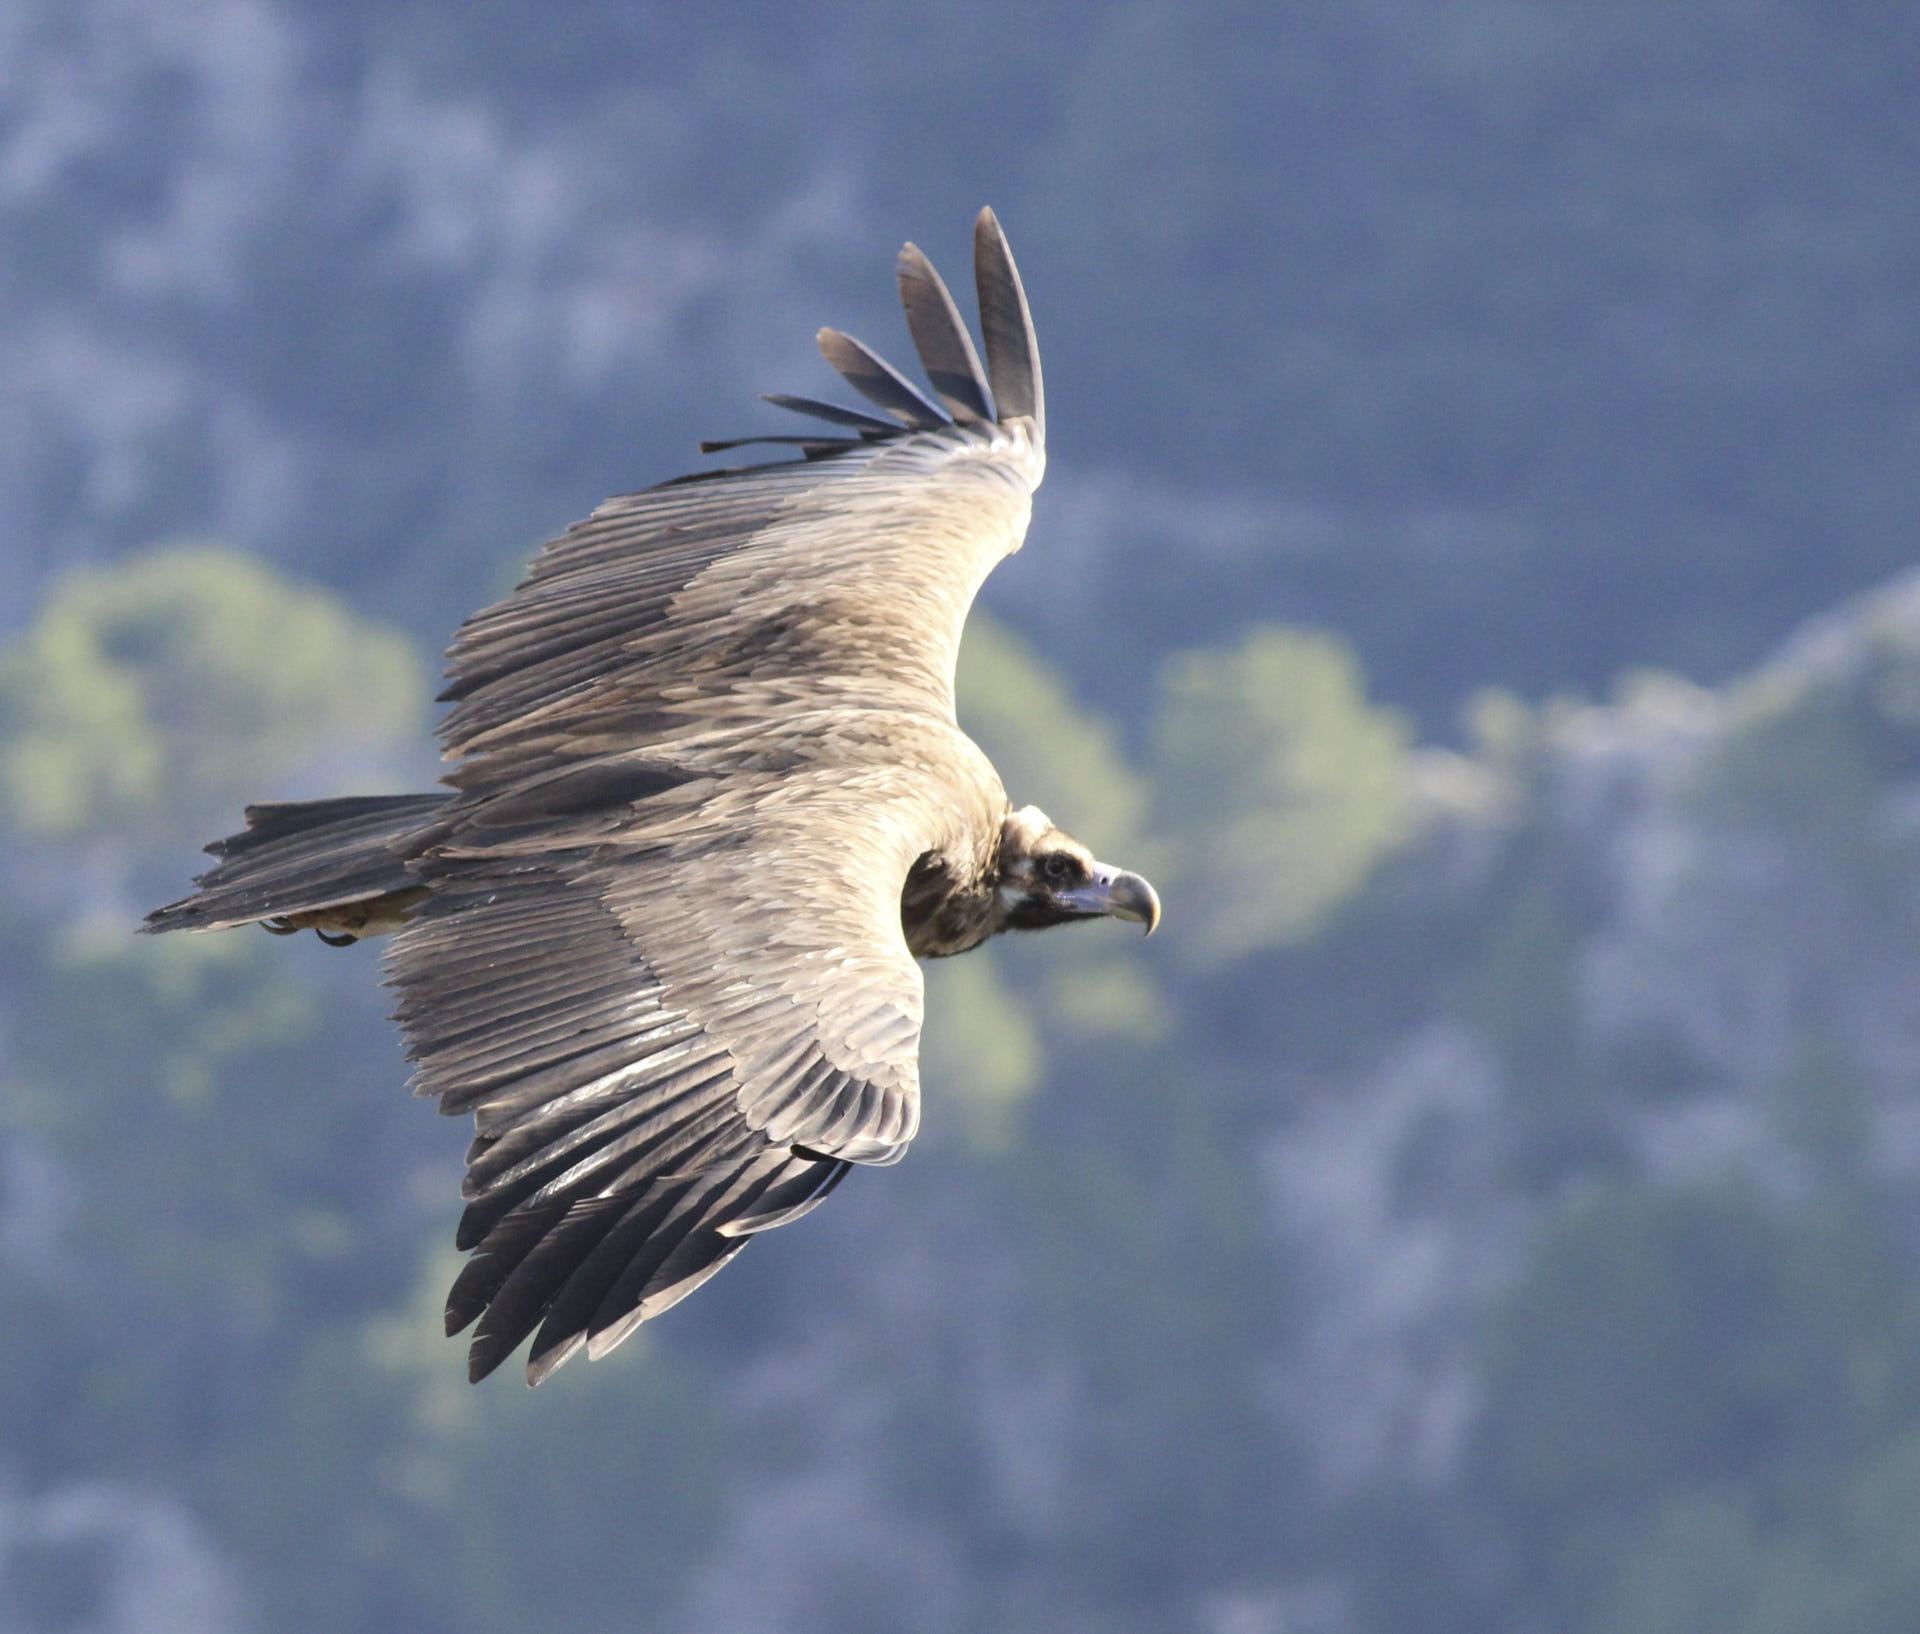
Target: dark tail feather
{"x":302,"y":857}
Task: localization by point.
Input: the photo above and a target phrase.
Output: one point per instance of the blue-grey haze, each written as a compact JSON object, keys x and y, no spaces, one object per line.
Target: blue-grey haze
{"x":1472,"y":575}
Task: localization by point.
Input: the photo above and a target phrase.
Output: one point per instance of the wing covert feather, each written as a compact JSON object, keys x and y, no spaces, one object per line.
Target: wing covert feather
{"x":760,"y":595}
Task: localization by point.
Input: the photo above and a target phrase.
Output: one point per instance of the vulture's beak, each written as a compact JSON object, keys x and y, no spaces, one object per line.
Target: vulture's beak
{"x":1118,"y":895}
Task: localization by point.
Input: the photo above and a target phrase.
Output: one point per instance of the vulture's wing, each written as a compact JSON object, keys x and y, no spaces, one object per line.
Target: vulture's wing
{"x":755,"y":596}
{"x":698,"y":751}
{"x":670,"y":1039}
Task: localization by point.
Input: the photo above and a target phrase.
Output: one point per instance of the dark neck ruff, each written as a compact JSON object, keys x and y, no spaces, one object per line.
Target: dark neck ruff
{"x":947,"y":907}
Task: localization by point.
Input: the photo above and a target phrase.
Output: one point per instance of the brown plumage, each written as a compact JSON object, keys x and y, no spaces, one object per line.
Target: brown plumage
{"x":709,"y":804}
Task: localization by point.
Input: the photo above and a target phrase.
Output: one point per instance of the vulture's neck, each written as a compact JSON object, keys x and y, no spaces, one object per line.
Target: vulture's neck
{"x":951,"y":900}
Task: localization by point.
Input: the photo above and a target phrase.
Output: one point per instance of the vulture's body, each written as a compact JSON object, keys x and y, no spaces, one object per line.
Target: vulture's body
{"x":709,"y":804}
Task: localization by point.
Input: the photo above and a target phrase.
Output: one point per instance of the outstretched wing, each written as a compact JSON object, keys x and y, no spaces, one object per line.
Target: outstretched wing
{"x":670,"y":1040}
{"x":699,"y":750}
{"x":744,"y":599}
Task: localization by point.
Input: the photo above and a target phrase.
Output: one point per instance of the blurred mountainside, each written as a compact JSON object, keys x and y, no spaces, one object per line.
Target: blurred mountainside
{"x":1488,"y":1204}
{"x":1519,"y":342}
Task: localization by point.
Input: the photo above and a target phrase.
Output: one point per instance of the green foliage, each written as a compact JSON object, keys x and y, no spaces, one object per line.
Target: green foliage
{"x":1799,"y":758}
{"x":1846,"y":1567}
{"x":1698,"y":1403}
{"x":233,"y":1295}
{"x":1704,"y":1353}
{"x":1813,"y":743}
{"x":438,"y":1504}
{"x":1280,"y":787}
{"x":205,"y":1141}
{"x":980,"y":1053}
{"x":213,"y":1288}
{"x":1656,"y":1338}
{"x":1704,"y":1565}
{"x":183,"y":682}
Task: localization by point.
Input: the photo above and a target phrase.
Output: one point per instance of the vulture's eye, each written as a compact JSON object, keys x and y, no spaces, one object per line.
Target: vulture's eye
{"x":1059,"y":869}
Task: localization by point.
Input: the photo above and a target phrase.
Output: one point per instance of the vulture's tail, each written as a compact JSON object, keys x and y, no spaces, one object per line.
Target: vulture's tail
{"x":334,"y":866}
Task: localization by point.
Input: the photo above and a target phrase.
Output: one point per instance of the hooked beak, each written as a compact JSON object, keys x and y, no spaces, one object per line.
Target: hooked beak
{"x":1118,"y":895}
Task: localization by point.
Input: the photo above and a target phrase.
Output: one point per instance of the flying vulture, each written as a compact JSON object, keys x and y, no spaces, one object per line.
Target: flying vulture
{"x":709,"y":804}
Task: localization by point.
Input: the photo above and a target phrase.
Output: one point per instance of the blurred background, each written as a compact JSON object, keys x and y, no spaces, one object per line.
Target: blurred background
{"x":1475,"y":582}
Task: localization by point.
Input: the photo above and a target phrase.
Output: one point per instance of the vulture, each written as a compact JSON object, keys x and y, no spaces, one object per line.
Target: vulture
{"x":709,"y":804}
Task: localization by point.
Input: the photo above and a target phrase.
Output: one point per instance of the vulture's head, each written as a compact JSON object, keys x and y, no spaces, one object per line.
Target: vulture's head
{"x":1049,"y":878}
